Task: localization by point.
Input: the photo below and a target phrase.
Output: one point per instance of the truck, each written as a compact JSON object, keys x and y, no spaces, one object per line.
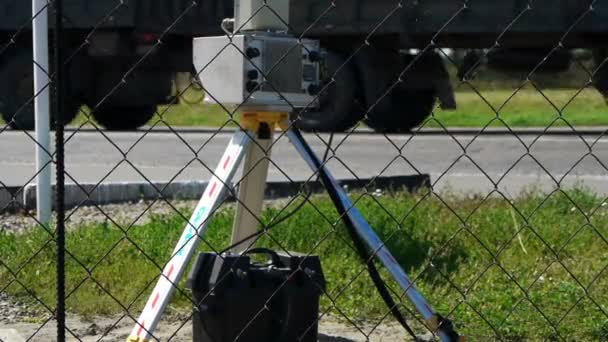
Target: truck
{"x":384,"y":62}
{"x":122,"y":56}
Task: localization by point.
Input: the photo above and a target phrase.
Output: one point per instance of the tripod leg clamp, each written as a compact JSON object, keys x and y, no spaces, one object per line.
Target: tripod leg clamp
{"x":136,"y":339}
{"x":251,"y":121}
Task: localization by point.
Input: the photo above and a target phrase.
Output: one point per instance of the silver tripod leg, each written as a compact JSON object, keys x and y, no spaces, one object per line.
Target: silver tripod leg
{"x":251,"y":192}
{"x":191,"y":237}
{"x":369,"y":236}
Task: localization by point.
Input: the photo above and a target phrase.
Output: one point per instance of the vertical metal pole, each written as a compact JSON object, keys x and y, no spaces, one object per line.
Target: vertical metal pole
{"x":42,"y":109}
{"x":60,"y":94}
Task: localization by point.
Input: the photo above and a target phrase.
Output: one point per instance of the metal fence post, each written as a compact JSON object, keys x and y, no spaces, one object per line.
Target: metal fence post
{"x":42,"y":108}
{"x":60,"y":186}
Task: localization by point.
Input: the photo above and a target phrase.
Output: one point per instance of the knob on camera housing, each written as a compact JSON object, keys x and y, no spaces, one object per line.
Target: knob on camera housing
{"x":315,"y":56}
{"x":253,"y":74}
{"x":252,"y":52}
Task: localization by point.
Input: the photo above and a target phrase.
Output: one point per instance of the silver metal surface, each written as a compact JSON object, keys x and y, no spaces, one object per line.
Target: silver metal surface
{"x":258,"y":15}
{"x":280,"y":66}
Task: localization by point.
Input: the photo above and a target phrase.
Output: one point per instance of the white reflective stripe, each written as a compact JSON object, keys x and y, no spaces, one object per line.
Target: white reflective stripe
{"x":189,"y":240}
{"x":368,"y":235}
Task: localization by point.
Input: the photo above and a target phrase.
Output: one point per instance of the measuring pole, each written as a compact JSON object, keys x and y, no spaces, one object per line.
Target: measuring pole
{"x":40,"y":31}
{"x":190,"y":239}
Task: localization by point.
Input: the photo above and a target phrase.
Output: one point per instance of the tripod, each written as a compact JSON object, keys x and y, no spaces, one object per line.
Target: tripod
{"x":253,"y":143}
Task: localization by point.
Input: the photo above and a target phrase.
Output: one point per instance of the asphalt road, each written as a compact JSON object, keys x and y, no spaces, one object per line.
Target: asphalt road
{"x":464,"y":164}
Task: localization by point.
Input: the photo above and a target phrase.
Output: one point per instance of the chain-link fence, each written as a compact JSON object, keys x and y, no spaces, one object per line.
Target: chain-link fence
{"x":470,"y":136}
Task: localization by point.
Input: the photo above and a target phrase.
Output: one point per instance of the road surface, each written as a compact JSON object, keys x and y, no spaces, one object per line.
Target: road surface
{"x":464,"y":163}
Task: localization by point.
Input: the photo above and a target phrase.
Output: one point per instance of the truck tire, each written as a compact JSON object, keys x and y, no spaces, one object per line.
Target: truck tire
{"x":409,"y":108}
{"x":339,"y":108}
{"x":123,"y":118}
{"x":600,"y":76}
{"x":17,"y":92}
{"x":401,"y":109}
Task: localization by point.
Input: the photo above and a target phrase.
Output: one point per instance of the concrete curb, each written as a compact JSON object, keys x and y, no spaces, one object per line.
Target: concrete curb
{"x":126,"y":192}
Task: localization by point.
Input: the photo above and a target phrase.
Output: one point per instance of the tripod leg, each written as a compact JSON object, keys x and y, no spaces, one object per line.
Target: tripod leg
{"x":176,"y":266}
{"x":251,"y":189}
{"x":344,"y":204}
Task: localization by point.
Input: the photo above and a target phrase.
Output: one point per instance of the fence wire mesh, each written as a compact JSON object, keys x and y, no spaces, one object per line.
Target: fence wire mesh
{"x":488,"y":187}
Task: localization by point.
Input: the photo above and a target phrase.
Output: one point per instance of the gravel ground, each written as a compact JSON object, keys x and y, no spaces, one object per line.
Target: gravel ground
{"x":124,"y":214}
{"x":13,"y":312}
{"x":118,"y":328}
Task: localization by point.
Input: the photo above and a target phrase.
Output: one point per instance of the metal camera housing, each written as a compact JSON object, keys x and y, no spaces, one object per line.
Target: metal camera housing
{"x":259,"y":70}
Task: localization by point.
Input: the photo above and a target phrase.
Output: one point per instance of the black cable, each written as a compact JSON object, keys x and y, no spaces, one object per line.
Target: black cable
{"x":365,"y":257}
{"x":284,"y":218}
{"x":274,"y":224}
{"x":60,"y":168}
{"x":362,"y":250}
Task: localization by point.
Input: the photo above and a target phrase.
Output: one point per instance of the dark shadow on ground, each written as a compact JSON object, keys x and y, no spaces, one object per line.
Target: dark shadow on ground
{"x":327,"y":338}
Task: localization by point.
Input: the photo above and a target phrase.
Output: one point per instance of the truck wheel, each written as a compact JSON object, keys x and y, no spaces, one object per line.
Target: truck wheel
{"x":397,"y":108}
{"x":17,"y":92}
{"x":339,"y":110}
{"x":122,"y":118}
{"x":408,"y":109}
{"x":600,"y":77}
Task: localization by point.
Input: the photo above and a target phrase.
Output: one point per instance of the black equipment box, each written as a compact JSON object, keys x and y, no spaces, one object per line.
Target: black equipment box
{"x":242,"y":300}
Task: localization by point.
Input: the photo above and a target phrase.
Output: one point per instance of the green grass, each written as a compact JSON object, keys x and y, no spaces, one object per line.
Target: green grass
{"x":181,"y":115}
{"x":527,"y":108}
{"x":494,"y":269}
